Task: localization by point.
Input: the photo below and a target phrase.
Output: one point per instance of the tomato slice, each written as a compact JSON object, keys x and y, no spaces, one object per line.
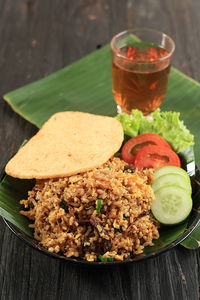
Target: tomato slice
{"x":131,"y":148}
{"x":155,"y":157}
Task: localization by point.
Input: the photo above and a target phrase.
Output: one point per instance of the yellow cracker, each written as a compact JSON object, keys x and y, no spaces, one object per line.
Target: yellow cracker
{"x":67,"y":144}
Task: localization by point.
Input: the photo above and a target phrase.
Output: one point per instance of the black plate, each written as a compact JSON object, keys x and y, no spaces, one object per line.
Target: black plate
{"x":192,"y":221}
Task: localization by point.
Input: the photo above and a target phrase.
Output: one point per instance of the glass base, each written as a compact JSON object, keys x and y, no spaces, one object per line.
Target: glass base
{"x":120,"y":111}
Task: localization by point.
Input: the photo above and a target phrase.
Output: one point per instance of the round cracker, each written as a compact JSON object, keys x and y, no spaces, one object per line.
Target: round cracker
{"x":67,"y":144}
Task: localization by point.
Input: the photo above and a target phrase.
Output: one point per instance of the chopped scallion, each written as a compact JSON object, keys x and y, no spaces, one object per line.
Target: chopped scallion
{"x":105,"y":259}
{"x":98,"y":206}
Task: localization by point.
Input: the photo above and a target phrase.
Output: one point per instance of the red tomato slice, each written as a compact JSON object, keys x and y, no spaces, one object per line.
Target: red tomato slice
{"x":155,"y":157}
{"x":131,"y":148}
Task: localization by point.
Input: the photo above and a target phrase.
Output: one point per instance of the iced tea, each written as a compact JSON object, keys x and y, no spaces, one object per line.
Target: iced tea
{"x":140,"y":71}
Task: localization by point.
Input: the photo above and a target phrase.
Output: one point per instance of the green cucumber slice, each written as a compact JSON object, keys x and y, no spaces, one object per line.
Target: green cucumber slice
{"x":172,"y":179}
{"x":171,"y":169}
{"x":172,"y":205}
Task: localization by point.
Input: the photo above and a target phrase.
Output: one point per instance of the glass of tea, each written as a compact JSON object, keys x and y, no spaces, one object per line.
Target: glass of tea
{"x":141,"y":60}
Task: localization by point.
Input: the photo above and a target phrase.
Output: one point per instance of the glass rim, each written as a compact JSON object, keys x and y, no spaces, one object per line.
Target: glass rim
{"x":142,"y":29}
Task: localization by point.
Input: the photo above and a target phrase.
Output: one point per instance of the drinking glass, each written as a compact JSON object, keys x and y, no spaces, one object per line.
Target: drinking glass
{"x":141,"y":60}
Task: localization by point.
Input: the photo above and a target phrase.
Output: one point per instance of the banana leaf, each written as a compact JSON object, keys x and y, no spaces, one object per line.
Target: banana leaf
{"x":86,"y":86}
{"x":12,"y":190}
{"x":193,"y":241}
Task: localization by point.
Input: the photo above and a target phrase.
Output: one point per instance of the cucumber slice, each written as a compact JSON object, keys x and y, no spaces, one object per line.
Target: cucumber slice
{"x":171,"y":169}
{"x":172,"y":205}
{"x":172,"y":179}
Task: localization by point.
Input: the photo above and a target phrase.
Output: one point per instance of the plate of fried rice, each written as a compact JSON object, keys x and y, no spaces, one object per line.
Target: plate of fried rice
{"x":84,"y":203}
{"x":118,"y":229}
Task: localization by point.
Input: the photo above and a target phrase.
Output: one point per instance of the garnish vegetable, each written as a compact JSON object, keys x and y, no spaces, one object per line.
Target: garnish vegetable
{"x":131,"y":148}
{"x":105,"y":259}
{"x":166,"y":124}
{"x":171,"y":170}
{"x":170,"y":179}
{"x":98,"y":209}
{"x":172,"y":189}
{"x":172,"y":205}
{"x":149,"y":150}
{"x":155,"y":157}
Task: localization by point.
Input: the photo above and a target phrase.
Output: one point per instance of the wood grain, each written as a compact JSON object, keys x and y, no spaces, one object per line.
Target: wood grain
{"x":37,"y":38}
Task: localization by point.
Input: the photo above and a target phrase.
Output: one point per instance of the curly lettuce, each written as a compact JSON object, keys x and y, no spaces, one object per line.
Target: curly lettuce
{"x":166,"y":124}
{"x":131,"y":124}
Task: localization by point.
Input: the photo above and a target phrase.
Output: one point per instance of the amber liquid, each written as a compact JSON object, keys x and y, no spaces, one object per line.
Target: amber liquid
{"x":138,"y":82}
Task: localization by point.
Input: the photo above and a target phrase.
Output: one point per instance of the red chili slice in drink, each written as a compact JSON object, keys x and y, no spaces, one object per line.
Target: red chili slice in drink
{"x":131,"y":148}
{"x":155,"y":157}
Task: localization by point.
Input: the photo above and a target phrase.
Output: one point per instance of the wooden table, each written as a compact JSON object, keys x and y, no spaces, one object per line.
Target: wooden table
{"x":37,"y":38}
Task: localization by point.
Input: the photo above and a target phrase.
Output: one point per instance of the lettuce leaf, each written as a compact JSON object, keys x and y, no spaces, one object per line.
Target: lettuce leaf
{"x":166,"y":124}
{"x":130,"y":124}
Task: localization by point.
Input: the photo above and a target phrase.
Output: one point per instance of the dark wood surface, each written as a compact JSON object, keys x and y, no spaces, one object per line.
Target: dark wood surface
{"x":37,"y":38}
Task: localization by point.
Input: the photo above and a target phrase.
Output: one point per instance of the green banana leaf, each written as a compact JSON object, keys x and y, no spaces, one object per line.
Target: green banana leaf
{"x":12,"y":190}
{"x":193,"y":241}
{"x":86,"y":86}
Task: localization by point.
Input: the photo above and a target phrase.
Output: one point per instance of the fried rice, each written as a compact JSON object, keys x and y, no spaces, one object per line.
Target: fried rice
{"x":104,"y":212}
